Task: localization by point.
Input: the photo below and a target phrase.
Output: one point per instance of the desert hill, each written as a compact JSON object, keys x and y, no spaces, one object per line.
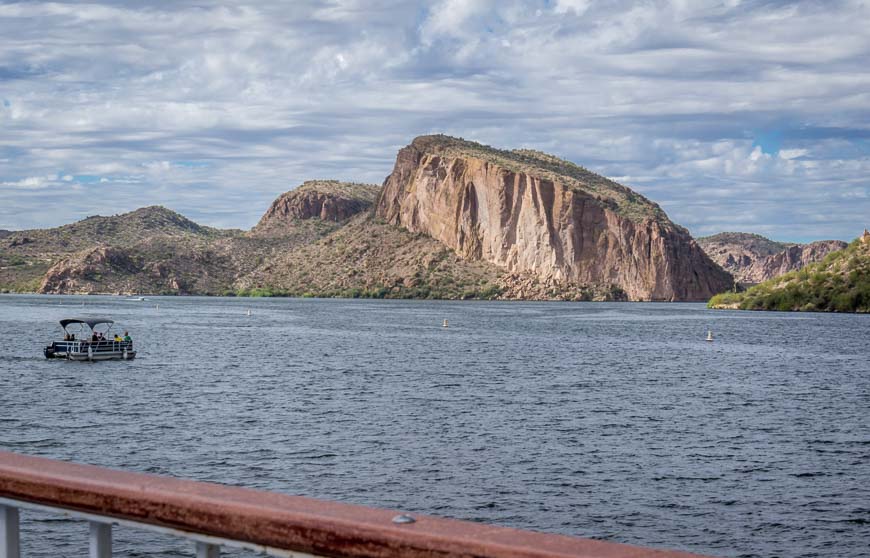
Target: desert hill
{"x":26,"y":256}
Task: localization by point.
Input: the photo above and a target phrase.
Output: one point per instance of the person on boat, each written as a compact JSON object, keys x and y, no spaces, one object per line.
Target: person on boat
{"x":127,"y":337}
{"x":95,"y":337}
{"x":66,"y":337}
{"x":117,"y":338}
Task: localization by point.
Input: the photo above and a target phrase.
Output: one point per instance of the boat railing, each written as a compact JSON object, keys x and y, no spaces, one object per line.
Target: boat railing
{"x":81,"y":346}
{"x":212,"y":515}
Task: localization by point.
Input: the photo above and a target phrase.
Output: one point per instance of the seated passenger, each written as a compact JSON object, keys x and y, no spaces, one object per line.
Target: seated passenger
{"x":117,"y":338}
{"x":95,"y":337}
{"x":127,"y":337}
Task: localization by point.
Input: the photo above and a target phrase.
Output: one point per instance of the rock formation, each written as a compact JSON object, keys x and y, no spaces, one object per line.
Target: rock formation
{"x":529,"y":212}
{"x":327,"y":200}
{"x":752,"y":259}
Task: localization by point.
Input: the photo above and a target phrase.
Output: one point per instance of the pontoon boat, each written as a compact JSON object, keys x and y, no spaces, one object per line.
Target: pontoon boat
{"x":80,"y":342}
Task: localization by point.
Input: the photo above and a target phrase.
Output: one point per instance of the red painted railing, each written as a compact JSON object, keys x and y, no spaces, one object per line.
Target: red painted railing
{"x":275,"y":521}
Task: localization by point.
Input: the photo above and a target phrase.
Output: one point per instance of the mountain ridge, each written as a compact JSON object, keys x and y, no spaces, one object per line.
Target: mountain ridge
{"x":454,"y":219}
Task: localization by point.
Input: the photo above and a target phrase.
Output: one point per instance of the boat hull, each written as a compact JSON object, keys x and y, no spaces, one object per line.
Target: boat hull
{"x":81,"y":357}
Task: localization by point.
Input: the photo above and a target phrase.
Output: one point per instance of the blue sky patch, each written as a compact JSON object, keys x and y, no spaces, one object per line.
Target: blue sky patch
{"x":769,"y":141}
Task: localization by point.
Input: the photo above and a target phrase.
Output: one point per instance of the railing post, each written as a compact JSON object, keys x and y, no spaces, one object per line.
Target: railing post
{"x":205,"y":550}
{"x":101,"y":540}
{"x":10,"y":544}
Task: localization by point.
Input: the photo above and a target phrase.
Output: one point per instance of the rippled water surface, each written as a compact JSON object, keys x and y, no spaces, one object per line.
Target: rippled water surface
{"x":613,"y":421}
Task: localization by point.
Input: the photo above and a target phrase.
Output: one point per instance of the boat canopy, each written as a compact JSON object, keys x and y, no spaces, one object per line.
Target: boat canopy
{"x":90,"y":322}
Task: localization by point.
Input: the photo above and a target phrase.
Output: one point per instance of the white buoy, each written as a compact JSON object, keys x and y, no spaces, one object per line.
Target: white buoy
{"x":445,"y":324}
{"x":709,"y":335}
{"x":249,"y":311}
{"x":157,"y":307}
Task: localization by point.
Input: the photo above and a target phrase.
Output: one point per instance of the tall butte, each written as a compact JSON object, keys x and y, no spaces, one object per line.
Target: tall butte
{"x":530,"y":212}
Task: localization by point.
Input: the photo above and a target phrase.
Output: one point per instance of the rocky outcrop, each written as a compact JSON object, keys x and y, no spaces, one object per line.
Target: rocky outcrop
{"x":753,"y":259}
{"x":528,"y":212}
{"x":327,"y":200}
{"x":82,"y":272}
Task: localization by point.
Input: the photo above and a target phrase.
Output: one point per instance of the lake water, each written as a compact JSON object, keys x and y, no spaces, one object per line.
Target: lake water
{"x":613,"y":421}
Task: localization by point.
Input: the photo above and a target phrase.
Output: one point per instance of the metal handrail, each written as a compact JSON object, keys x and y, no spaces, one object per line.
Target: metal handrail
{"x":214,"y":514}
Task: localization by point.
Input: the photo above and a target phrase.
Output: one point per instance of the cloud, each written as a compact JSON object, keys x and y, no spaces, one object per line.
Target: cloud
{"x":215,"y":109}
{"x":31,"y":183}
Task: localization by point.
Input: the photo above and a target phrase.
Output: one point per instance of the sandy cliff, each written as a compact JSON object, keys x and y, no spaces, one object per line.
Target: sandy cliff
{"x":532,"y":213}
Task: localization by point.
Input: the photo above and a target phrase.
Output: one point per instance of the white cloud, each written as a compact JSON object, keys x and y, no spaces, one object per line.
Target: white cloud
{"x":32,"y":183}
{"x":792,"y":153}
{"x":577,"y":7}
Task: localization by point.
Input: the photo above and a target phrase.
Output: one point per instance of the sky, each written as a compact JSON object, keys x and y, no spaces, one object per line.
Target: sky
{"x":732,"y":115}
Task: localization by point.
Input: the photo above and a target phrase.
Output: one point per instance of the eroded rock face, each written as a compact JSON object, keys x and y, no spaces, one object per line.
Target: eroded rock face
{"x":533,"y":213}
{"x":327,"y":200}
{"x":753,"y":259}
{"x":791,"y":259}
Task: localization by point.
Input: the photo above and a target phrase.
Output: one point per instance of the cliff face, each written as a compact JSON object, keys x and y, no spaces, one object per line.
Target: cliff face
{"x":752,"y":259}
{"x":532,"y":213}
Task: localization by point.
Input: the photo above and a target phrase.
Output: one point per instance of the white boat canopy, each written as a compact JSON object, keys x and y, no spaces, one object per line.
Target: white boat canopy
{"x":90,"y":322}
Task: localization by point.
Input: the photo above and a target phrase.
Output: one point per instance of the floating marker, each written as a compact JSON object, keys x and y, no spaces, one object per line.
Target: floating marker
{"x":709,"y":335}
{"x":445,"y":324}
{"x":249,"y":311}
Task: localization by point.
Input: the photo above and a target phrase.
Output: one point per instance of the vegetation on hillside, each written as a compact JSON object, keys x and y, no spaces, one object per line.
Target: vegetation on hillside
{"x":619,"y":198}
{"x":839,"y":283}
{"x":368,"y":258}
